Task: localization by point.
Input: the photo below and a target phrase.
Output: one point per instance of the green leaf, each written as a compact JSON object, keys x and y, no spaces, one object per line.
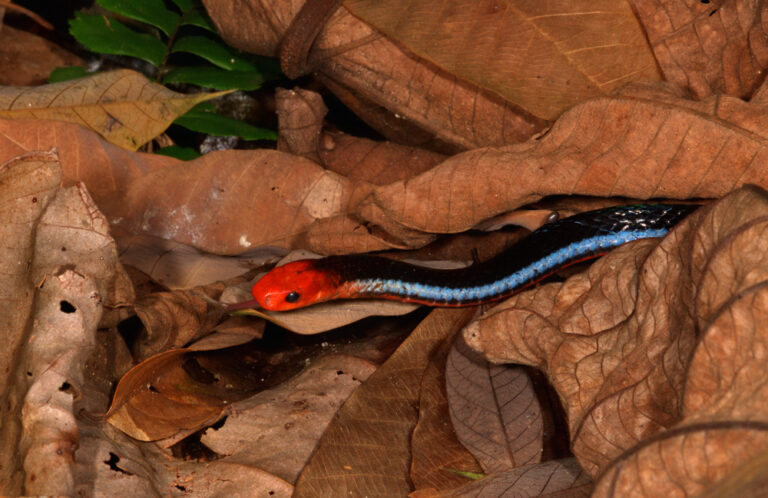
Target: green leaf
{"x":184,"y":5}
{"x":110,"y":36}
{"x":211,"y":123}
{"x":213,"y":51}
{"x":213,"y":77}
{"x":151,"y":12}
{"x":183,"y":153}
{"x":67,"y":73}
{"x":197,"y":17}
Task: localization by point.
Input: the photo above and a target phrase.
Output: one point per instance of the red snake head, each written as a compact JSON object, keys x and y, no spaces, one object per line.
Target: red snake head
{"x":295,"y":285}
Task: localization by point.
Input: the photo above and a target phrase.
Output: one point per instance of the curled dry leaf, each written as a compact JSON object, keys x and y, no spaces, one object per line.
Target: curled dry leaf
{"x":644,"y":143}
{"x":494,"y":410}
{"x":656,"y":351}
{"x":122,"y":106}
{"x":366,"y":450}
{"x":420,"y":101}
{"x":543,"y":56}
{"x":277,"y":430}
{"x":174,"y":319}
{"x":163,"y":397}
{"x":708,"y":48}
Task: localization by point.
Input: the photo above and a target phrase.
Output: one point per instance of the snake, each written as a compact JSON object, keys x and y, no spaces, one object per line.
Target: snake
{"x":548,"y":249}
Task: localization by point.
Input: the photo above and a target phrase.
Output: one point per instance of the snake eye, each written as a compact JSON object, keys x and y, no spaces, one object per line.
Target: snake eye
{"x":292,"y":297}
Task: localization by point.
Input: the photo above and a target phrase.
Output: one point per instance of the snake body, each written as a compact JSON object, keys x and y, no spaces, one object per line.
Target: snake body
{"x":546,"y":250}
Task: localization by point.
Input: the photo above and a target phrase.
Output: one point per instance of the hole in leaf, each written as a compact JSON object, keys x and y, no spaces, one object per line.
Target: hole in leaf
{"x":112,"y":462}
{"x":66,"y":307}
{"x":180,"y":487}
{"x":66,"y":386}
{"x":153,"y":389}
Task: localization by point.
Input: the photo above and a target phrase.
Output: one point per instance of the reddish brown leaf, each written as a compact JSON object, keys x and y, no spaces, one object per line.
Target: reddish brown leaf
{"x":645,"y":143}
{"x":708,"y":48}
{"x":301,"y":132}
{"x":32,"y":57}
{"x":366,"y":451}
{"x":542,"y":56}
{"x":352,"y":58}
{"x":494,"y":410}
{"x":159,"y":398}
{"x":648,"y":406}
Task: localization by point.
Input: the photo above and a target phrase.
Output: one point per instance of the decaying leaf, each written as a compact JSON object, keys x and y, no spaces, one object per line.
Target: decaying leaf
{"x":367,"y":450}
{"x":277,"y":430}
{"x":494,"y":411}
{"x":542,"y":56}
{"x":122,"y":106}
{"x":656,"y":351}
{"x":27,"y":186}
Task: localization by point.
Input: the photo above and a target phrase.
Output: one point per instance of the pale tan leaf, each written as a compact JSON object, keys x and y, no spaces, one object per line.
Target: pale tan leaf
{"x":122,"y":106}
{"x":179,"y":266}
{"x":277,"y":429}
{"x":27,"y":185}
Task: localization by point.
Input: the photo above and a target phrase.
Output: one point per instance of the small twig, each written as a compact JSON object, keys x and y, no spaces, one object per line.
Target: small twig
{"x":39,"y":20}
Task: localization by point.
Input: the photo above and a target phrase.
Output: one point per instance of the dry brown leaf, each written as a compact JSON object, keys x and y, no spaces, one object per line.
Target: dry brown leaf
{"x":179,"y":266}
{"x":277,"y":430}
{"x":366,"y":450}
{"x":230,"y":201}
{"x":74,"y":233}
{"x":85,"y":156}
{"x":437,"y":453}
{"x":162,"y":397}
{"x":32,"y":57}
{"x":494,"y":410}
{"x":122,"y":106}
{"x":656,"y":351}
{"x":351,"y":58}
{"x":301,"y":115}
{"x":708,"y":48}
{"x":644,"y":143}
{"x":175,"y":319}
{"x":543,"y":56}
{"x":27,"y":186}
{"x":554,"y":479}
